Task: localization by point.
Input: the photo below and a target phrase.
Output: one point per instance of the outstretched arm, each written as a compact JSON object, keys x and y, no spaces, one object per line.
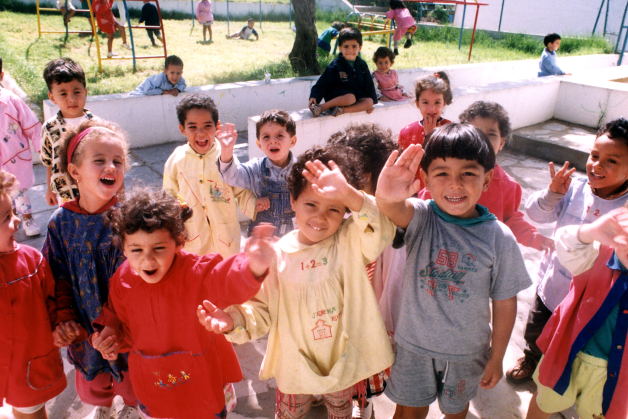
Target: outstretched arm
{"x":330,"y":183}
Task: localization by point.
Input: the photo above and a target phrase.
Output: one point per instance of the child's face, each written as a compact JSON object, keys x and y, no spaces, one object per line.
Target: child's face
{"x":350,"y":49}
{"x":69,"y":97}
{"x":100,"y":172}
{"x":490,"y":127}
{"x":383,"y":64}
{"x":276,"y":143}
{"x":607,"y":166}
{"x":430,"y":103}
{"x":317,"y":218}
{"x":174,"y":73}
{"x":553,"y":46}
{"x":456,"y":185}
{"x":150,"y":254}
{"x":251,"y":23}
{"x":9,"y":223}
{"x":199,"y":129}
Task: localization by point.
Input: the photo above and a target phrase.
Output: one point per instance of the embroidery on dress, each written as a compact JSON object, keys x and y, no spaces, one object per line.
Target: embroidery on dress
{"x":217,"y":193}
{"x":172,"y":381}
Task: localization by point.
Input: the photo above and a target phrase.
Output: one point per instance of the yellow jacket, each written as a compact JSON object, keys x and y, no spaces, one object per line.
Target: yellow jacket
{"x":214,"y":226}
{"x":318,"y":306}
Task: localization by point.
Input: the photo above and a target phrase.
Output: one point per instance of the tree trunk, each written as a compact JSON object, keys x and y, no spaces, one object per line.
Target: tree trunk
{"x":303,"y":54}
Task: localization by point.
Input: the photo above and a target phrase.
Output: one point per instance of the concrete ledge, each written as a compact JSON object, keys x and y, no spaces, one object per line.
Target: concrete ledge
{"x":548,"y":150}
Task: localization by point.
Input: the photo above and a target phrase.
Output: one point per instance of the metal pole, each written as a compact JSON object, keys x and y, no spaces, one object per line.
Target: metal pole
{"x":38,"y":19}
{"x":608,"y":6}
{"x":192,"y":8}
{"x":290,"y":9}
{"x":66,"y":23}
{"x":228,"y":31}
{"x":623,"y":23}
{"x":128,"y":20}
{"x":621,"y":56}
{"x":477,"y":12}
{"x":464,"y":12}
{"x":598,"y":17}
{"x":260,"y":15}
{"x":95,"y":34}
{"x":499,"y":29}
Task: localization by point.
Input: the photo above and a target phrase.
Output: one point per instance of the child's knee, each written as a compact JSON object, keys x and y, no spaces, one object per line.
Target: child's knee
{"x":348,"y":99}
{"x":410,"y":412}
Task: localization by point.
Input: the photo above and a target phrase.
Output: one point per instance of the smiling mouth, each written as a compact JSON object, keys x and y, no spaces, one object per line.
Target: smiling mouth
{"x":150,"y":273}
{"x":108,"y":181}
{"x":274,"y":150}
{"x":316,"y":228}
{"x":597,"y":177}
{"x":454,"y":199}
{"x":202,"y":143}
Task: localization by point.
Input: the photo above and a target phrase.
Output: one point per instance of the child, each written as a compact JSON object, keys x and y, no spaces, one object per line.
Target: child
{"x":33,"y":363}
{"x":192,"y":173}
{"x":150,"y":17}
{"x":68,"y":11}
{"x":325,"y":332}
{"x":568,"y":202}
{"x":458,"y":258}
{"x":404,"y":21}
{"x":18,"y":125}
{"x":177,"y":368}
{"x":386,"y":80}
{"x":170,"y":82}
{"x":82,"y":256}
{"x":205,"y":17}
{"x":548,"y":65}
{"x":346,"y":84}
{"x":584,"y":359}
{"x":276,"y":135}
{"x":324,"y":41}
{"x":503,"y":197}
{"x":66,"y":89}
{"x":108,"y":24}
{"x":246,"y":31}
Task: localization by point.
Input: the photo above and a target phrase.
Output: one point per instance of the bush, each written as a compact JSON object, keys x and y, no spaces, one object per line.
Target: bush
{"x":440,"y":14}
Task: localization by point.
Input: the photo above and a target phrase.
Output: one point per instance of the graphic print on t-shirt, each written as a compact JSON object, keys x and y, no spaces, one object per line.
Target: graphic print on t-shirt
{"x":445,"y":272}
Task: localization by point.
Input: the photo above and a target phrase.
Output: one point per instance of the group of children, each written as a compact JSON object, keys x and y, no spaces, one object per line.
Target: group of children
{"x":355,"y":248}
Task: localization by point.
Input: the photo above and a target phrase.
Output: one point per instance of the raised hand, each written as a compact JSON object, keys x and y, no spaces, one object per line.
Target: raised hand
{"x":327,"y":182}
{"x":561,"y":179}
{"x":227,"y":137}
{"x":262,"y":204}
{"x":610,"y":230}
{"x":259,"y":248}
{"x":429,"y":123}
{"x":214,"y":319}
{"x":397,"y":179}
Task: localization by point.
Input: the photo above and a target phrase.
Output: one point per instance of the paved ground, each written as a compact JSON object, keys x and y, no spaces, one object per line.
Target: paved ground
{"x":256,"y":398}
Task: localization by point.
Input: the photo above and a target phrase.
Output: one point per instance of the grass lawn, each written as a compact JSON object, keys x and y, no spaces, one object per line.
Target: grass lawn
{"x":25,"y":55}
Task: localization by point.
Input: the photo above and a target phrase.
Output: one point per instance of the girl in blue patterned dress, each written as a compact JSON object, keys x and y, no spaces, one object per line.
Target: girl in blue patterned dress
{"x":82,"y":257}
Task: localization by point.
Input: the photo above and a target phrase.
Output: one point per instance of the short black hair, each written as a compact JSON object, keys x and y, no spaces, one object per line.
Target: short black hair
{"x":549,"y":38}
{"x":173,"y":60}
{"x":196,"y":101}
{"x":277,"y":116}
{"x":338,"y":25}
{"x":458,"y":141}
{"x":349,"y":34}
{"x":396,"y":4}
{"x":251,"y":19}
{"x":490,"y":110}
{"x":383,"y":52}
{"x":617,"y":130}
{"x":63,"y":70}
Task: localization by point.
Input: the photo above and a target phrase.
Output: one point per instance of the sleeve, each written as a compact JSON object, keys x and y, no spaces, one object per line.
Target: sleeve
{"x":246,"y":202}
{"x":334,"y":33}
{"x":31,"y":127}
{"x":390,"y":14}
{"x":509,"y":275}
{"x":549,"y":63}
{"x":46,"y":147}
{"x":198,"y":7}
{"x":48,"y":288}
{"x":418,"y":220}
{"x":524,"y":232}
{"x":376,"y":84}
{"x":149,"y":87}
{"x":545,"y":206}
{"x":171,"y":180}
{"x":241,"y":175}
{"x":324,"y":82}
{"x":114,"y":315}
{"x":181,"y":85}
{"x":143,"y":16}
{"x":252,"y":319}
{"x":574,"y":255}
{"x":369,"y":87}
{"x":255,"y":33}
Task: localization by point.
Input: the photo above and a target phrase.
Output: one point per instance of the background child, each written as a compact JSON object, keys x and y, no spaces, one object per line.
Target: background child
{"x":205,"y":17}
{"x":584,"y":359}
{"x":276,"y":135}
{"x":404,"y":21}
{"x":325,"y":332}
{"x":192,"y":173}
{"x":67,"y":12}
{"x":108,"y":24}
{"x":503,"y":197}
{"x":246,"y":31}
{"x":548,"y":65}
{"x":458,"y":258}
{"x":82,"y":257}
{"x":324,"y":40}
{"x":148,"y":226}
{"x":35,"y":371}
{"x":18,"y":125}
{"x":346,"y":84}
{"x":170,"y":82}
{"x":568,"y":202}
{"x":68,"y":90}
{"x":150,"y":17}
{"x":386,"y":80}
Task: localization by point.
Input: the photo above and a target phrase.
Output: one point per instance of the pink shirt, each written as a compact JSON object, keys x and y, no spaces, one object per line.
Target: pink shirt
{"x":388,"y":85}
{"x":204,"y":12}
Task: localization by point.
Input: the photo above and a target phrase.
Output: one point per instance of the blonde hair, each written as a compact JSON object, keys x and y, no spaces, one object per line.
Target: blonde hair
{"x":8,"y":183}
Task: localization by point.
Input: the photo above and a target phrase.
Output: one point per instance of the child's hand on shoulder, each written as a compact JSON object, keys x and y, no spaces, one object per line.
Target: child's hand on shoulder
{"x":227,"y":137}
{"x":259,"y":248}
{"x":397,"y":180}
{"x":262,"y":204}
{"x":493,"y":372}
{"x":106,"y":342}
{"x":561,"y":179}
{"x":66,"y":332}
{"x":214,"y":319}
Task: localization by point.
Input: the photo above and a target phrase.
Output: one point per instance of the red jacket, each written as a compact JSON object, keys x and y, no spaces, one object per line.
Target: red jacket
{"x":177,"y":368}
{"x":585,"y":309}
{"x":503,"y":199}
{"x":31,"y":370}
{"x":415,"y":134}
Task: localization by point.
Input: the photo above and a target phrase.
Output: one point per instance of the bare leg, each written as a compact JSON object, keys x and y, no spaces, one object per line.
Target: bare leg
{"x":534,"y":412}
{"x":122,"y":32}
{"x":344,"y":100}
{"x":204,"y":32}
{"x":209,"y":28}
{"x":40,"y":414}
{"x":461,"y":415}
{"x":363,"y":104}
{"x":110,"y":42}
{"x":407,"y":412}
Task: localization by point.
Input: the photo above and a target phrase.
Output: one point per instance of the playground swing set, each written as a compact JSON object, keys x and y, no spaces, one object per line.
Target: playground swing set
{"x":94,"y":31}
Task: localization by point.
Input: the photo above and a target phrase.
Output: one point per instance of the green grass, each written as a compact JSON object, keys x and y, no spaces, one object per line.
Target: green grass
{"x":222,"y":61}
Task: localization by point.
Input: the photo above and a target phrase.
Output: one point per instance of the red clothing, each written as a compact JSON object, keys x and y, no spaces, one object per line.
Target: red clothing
{"x":415,"y":134}
{"x":104,"y":15}
{"x":31,"y":371}
{"x":574,"y":322}
{"x":178,"y":369}
{"x":503,"y":199}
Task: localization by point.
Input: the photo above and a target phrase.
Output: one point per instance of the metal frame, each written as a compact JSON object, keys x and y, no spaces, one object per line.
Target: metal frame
{"x":623,"y":26}
{"x":381,"y":26}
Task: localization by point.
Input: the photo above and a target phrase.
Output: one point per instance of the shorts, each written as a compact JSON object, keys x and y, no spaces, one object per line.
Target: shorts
{"x":586,"y":385}
{"x":208,"y":23}
{"x":61,"y":3}
{"x":29,"y":410}
{"x":416,"y":380}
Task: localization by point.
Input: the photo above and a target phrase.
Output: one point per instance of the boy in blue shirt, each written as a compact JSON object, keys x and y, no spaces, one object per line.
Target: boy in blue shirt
{"x":548,"y":65}
{"x":346,"y":84}
{"x":170,"y":82}
{"x":324,"y":41}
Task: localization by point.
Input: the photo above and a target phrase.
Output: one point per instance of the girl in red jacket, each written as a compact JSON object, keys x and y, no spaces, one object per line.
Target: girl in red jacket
{"x":31,"y":371}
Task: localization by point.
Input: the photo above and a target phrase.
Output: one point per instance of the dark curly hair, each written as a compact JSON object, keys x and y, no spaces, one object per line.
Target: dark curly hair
{"x":383,"y":52}
{"x":196,"y":101}
{"x":63,"y":70}
{"x":372,"y":144}
{"x":490,"y":110}
{"x":617,"y":129}
{"x":93,"y":135}
{"x":438,"y":84}
{"x":148,"y":209}
{"x":8,"y":183}
{"x":350,"y":168}
{"x":277,"y":116}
